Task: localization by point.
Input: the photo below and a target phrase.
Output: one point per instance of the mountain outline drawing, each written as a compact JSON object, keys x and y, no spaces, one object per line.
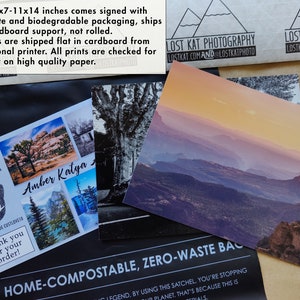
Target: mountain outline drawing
{"x":217,"y":15}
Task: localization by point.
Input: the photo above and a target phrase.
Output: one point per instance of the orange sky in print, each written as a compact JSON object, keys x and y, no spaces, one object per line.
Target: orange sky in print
{"x":196,"y":92}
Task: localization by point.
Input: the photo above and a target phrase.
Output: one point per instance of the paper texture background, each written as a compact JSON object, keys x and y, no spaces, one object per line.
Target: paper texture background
{"x":222,"y":33}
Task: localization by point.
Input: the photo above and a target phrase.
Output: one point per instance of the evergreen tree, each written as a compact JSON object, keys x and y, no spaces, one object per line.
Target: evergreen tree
{"x":63,"y":223}
{"x":39,"y":226}
{"x":67,"y":216}
{"x":91,"y":198}
{"x":81,"y":197}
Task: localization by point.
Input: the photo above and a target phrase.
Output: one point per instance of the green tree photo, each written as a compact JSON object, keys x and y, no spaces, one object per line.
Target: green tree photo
{"x":39,"y":226}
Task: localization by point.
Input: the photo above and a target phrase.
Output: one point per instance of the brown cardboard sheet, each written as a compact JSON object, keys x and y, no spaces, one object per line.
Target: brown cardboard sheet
{"x":281,"y":279}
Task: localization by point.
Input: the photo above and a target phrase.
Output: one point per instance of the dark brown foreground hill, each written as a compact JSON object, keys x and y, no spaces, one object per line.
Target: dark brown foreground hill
{"x":284,"y":242}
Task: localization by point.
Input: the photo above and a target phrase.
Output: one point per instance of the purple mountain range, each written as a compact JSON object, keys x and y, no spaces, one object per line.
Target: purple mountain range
{"x":175,"y":135}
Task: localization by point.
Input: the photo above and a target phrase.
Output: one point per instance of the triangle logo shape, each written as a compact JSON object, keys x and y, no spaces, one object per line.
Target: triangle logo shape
{"x":296,"y":22}
{"x":218,"y":19}
{"x":187,"y":25}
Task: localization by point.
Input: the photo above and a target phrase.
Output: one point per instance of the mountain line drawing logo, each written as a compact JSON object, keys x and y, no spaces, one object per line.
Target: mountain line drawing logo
{"x":292,"y":35}
{"x":217,"y":34}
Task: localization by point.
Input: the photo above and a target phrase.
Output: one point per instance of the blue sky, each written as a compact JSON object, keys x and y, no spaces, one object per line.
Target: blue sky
{"x":41,"y":198}
{"x":7,"y":145}
{"x":85,"y":179}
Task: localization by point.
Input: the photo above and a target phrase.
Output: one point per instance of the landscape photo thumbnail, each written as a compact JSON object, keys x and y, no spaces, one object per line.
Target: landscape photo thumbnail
{"x":225,"y":159}
{"x":37,"y":151}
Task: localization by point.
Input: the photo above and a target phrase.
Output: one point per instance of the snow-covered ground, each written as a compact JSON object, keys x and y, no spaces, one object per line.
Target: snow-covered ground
{"x":89,"y":221}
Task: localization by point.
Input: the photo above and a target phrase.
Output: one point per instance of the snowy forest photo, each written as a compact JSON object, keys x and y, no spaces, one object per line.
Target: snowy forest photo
{"x":80,"y":123}
{"x":83,"y":192}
